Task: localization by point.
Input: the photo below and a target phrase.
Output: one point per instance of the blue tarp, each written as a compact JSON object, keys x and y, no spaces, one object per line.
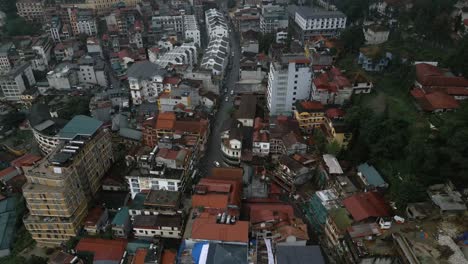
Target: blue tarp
{"x":196,"y":251}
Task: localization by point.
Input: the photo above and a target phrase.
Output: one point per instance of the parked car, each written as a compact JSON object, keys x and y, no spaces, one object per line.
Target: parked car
{"x":232,"y":92}
{"x":217,"y":164}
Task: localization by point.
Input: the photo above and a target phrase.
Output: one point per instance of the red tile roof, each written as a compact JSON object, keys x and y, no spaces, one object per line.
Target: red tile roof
{"x":172,"y":80}
{"x":461,"y":91}
{"x":140,"y":255}
{"x":93,"y":216}
{"x":166,"y":121}
{"x":334,"y":113}
{"x":267,"y":212}
{"x":434,"y":101}
{"x":214,"y":201}
{"x":312,"y":105}
{"x":332,"y":80}
{"x":7,"y":171}
{"x":431,"y":76}
{"x":205,"y":227}
{"x":103,"y":249}
{"x":438,"y":100}
{"x":168,"y":257}
{"x":365,"y":205}
{"x":195,"y":127}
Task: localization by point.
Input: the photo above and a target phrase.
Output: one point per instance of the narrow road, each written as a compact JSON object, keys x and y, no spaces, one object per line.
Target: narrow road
{"x":231,"y":76}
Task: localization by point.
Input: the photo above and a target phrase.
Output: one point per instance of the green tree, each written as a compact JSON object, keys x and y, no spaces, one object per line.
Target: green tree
{"x":352,"y":38}
{"x":333,"y":148}
{"x":457,"y":60}
{"x":264,"y":42}
{"x":13,"y":119}
{"x":320,"y":140}
{"x":36,"y":260}
{"x":17,"y":26}
{"x":406,"y":189}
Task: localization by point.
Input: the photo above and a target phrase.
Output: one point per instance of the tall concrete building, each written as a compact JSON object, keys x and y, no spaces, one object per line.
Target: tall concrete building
{"x":311,"y":22}
{"x":289,"y":80}
{"x":14,"y":82}
{"x":60,"y":187}
{"x":31,"y":10}
{"x":273,"y":18}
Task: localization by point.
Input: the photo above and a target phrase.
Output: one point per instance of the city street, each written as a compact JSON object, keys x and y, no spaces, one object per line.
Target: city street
{"x":213,"y":152}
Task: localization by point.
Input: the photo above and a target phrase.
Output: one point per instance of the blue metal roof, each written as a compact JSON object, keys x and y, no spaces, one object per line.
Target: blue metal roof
{"x":371,"y":174}
{"x":80,"y":125}
{"x":121,"y":217}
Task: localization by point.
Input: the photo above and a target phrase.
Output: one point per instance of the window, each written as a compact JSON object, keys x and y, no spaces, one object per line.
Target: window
{"x":294,"y":93}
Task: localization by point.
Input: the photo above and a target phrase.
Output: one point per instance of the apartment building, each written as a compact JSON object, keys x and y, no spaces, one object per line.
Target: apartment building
{"x":92,"y":71}
{"x":289,"y":80}
{"x":309,"y":115}
{"x":45,"y":127}
{"x":273,"y":18}
{"x":146,"y":81}
{"x":191,"y":30}
{"x":99,"y":6}
{"x":247,"y":18}
{"x":14,"y":82}
{"x":41,"y":48}
{"x":160,"y":169}
{"x":168,"y":127}
{"x":332,"y":87}
{"x":63,"y":77}
{"x":61,"y":185}
{"x":216,"y":56}
{"x":181,"y":55}
{"x":86,"y":23}
{"x":6,"y":50}
{"x":31,"y":10}
{"x":55,"y":29}
{"x":215,"y":24}
{"x":168,"y":24}
{"x":309,"y":22}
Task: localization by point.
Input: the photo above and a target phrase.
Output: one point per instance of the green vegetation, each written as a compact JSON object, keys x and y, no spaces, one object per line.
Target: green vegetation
{"x":457,"y":59}
{"x":13,"y":119}
{"x":264,"y":42}
{"x":77,"y":105}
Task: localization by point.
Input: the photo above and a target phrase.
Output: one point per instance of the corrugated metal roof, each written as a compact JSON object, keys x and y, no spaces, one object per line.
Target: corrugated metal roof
{"x":80,"y":125}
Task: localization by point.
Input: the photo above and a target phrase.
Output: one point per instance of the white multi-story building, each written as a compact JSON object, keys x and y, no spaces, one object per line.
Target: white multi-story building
{"x":92,"y":71}
{"x":86,"y":23}
{"x":63,"y":77}
{"x":182,"y":55}
{"x":315,"y":22}
{"x":31,"y":10}
{"x":42,"y":48}
{"x":5,"y":50}
{"x":161,"y":169}
{"x":55,"y":29}
{"x":160,"y":225}
{"x":168,"y":23}
{"x":146,"y":81}
{"x":191,"y":30}
{"x":289,"y":80}
{"x":45,"y":127}
{"x":231,"y":143}
{"x":216,"y":55}
{"x":273,"y":18}
{"x":215,"y":24}
{"x":16,"y":81}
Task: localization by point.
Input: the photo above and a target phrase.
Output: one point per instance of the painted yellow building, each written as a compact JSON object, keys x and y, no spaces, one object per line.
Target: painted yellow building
{"x":60,"y":187}
{"x":309,"y":115}
{"x":102,"y":6}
